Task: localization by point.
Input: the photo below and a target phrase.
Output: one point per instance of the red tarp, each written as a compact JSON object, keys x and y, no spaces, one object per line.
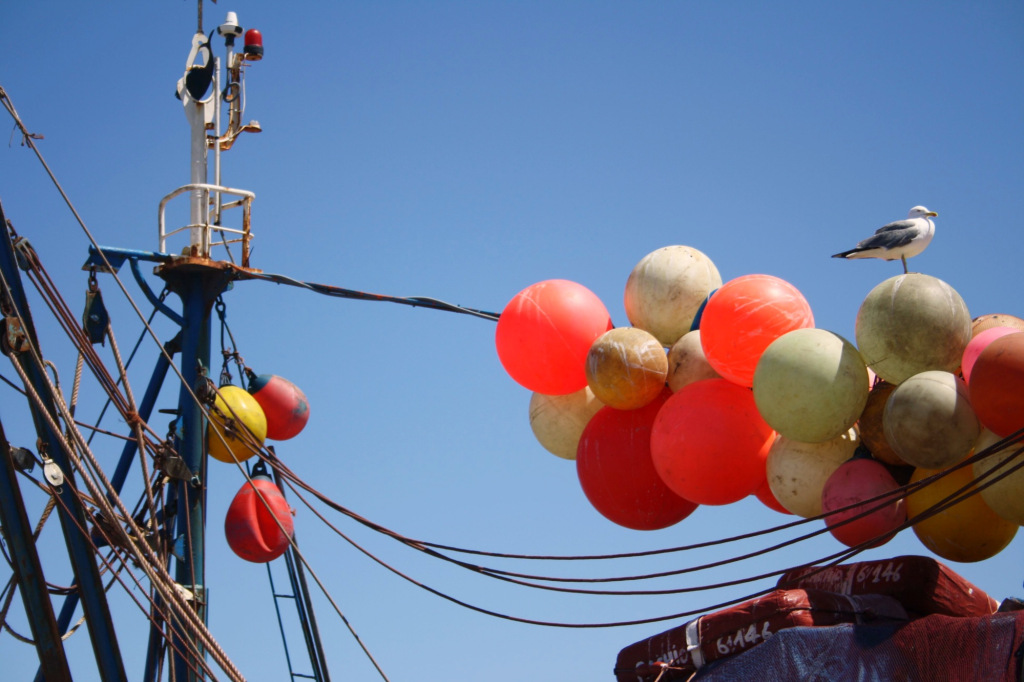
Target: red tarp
{"x":843,"y":622}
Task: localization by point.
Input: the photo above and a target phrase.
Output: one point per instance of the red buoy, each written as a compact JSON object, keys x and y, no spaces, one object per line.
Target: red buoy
{"x":615,"y":470}
{"x":250,"y":525}
{"x":284,"y":405}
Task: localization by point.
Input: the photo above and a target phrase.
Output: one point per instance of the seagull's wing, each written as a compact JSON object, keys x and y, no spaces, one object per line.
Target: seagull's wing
{"x":898,"y":225}
{"x":891,"y":236}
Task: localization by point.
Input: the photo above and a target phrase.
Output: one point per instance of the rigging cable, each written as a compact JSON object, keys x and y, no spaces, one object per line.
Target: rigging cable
{"x":339,"y":292}
{"x":149,"y":563}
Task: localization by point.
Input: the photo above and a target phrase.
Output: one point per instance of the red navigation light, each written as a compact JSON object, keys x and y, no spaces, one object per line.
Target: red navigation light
{"x":253,"y":45}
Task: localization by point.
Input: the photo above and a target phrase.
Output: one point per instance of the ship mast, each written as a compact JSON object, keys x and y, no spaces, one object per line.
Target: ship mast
{"x":199,"y":280}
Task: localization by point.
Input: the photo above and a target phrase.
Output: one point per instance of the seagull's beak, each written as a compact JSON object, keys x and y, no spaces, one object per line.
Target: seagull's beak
{"x":933,"y":214}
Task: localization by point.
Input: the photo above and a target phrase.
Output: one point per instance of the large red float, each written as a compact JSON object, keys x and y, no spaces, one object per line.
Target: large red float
{"x":709,"y":443}
{"x":284,"y":405}
{"x":545,"y":333}
{"x":614,"y":466}
{"x":256,"y":531}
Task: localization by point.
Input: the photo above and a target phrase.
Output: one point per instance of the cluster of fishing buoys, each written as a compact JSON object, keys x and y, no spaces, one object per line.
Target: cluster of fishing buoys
{"x":259,"y":523}
{"x":718,"y":391}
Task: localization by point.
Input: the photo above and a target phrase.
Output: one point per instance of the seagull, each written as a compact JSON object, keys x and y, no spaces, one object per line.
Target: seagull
{"x":902,"y":239}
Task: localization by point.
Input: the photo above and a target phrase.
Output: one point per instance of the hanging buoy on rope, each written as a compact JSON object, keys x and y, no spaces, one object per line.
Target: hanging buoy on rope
{"x":237,"y":418}
{"x":259,"y":526}
{"x":284,"y":405}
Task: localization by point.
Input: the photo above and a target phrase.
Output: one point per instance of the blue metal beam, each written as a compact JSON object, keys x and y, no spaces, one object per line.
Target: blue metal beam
{"x":69,"y":510}
{"x":53,"y":661}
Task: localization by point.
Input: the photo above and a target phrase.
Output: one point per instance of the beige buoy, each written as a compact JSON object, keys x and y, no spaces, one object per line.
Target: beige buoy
{"x":626,"y":368}
{"x":929,"y":421}
{"x":810,"y":385}
{"x":1006,"y":496}
{"x":558,"y":420}
{"x":797,"y":471}
{"x":984,"y":322}
{"x":910,"y":324}
{"x":665,"y":291}
{"x":872,"y":428}
{"x":686,"y":362}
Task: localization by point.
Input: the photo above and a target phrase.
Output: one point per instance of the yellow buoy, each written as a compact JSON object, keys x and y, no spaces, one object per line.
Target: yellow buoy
{"x":239,"y":420}
{"x":967,"y":531}
{"x":1006,"y":495}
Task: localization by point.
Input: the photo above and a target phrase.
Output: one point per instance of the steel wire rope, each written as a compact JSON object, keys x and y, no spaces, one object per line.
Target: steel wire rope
{"x":519,"y":619}
{"x":124,"y":567}
{"x":146,"y":559}
{"x":250,"y":442}
{"x":952,"y":499}
{"x":53,"y":500}
{"x":842,"y":556}
{"x":880,"y":501}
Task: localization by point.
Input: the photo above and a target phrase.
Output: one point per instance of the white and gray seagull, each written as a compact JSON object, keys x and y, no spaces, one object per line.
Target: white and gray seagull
{"x":902,"y":239}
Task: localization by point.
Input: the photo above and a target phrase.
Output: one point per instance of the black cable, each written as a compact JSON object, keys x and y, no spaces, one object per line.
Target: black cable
{"x":338,"y":292}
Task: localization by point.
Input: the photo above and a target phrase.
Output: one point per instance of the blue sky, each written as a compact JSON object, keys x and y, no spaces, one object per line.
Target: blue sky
{"x":466,"y":150}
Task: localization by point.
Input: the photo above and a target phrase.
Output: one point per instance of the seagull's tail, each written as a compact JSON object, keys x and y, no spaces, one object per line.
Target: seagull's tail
{"x":852,"y":253}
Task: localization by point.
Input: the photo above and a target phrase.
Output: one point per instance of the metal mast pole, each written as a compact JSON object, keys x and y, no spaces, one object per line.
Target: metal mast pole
{"x":198,"y":281}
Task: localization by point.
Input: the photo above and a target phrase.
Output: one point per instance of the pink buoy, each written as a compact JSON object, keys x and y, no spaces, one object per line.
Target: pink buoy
{"x":856,"y":481}
{"x":284,"y":405}
{"x":250,"y":526}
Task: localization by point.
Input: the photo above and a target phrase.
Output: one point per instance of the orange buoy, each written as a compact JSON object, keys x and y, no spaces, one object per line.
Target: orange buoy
{"x":239,"y":420}
{"x":742,"y":319}
{"x":259,"y":527}
{"x":284,"y":405}
{"x":871,"y":424}
{"x":997,"y":385}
